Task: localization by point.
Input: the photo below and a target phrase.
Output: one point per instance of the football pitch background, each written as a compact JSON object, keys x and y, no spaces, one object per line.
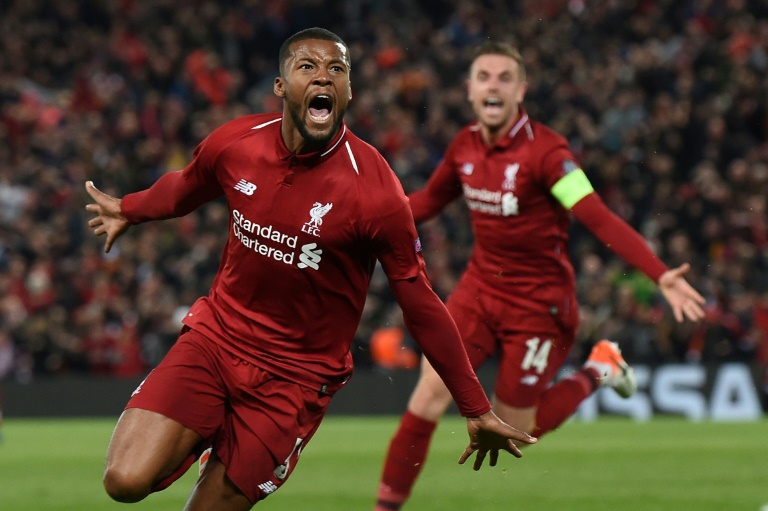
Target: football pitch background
{"x":612,"y":464}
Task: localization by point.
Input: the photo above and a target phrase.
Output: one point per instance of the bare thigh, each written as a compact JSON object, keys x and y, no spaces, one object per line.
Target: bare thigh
{"x":145,"y":448}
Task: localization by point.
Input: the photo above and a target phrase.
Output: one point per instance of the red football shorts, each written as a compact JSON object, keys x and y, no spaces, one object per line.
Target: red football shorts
{"x":257,"y":423}
{"x":531,"y":347}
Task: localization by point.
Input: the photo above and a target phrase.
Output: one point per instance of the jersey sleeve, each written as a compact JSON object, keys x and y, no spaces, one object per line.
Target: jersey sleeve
{"x":391,"y":229}
{"x":177,"y":193}
{"x":563,"y":175}
{"x":442,"y":188}
{"x":619,"y":236}
{"x":569,"y":184}
{"x":438,"y":337}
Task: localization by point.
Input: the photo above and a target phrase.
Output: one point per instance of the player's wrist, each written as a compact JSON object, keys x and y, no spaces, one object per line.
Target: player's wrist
{"x":479,"y":417}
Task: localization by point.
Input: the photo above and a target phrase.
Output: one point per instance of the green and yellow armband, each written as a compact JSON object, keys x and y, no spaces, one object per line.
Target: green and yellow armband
{"x":571,"y":188}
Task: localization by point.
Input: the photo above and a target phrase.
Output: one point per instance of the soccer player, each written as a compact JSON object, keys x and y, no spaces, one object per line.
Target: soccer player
{"x":312,"y":208}
{"x":517,"y":296}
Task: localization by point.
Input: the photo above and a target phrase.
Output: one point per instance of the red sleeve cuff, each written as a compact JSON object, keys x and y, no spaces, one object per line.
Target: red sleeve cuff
{"x":129,"y":209}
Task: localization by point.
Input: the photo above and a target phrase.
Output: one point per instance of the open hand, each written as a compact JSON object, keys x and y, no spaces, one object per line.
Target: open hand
{"x":685,"y":301}
{"x":488,"y":433}
{"x":109,"y":218}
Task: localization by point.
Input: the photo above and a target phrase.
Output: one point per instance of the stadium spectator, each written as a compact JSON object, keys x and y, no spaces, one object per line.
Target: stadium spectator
{"x":517,"y":297}
{"x":260,"y":357}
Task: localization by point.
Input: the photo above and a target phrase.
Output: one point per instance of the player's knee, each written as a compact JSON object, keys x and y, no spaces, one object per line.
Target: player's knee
{"x":125,"y":485}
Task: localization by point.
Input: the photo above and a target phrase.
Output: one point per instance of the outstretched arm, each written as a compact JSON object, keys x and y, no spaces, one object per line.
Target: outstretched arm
{"x":627,"y":243}
{"x":427,"y":203}
{"x":434,"y":330}
{"x":173,"y":195}
{"x":442,"y":188}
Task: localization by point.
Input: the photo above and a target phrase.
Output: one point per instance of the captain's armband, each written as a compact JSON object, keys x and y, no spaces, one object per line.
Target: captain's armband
{"x":571,"y":188}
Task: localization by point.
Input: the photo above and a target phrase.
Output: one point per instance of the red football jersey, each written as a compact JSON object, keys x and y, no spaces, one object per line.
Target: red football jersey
{"x":304,"y":236}
{"x":520,"y":229}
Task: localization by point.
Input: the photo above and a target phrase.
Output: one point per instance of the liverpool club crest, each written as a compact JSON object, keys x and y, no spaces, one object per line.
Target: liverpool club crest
{"x":316,"y":214}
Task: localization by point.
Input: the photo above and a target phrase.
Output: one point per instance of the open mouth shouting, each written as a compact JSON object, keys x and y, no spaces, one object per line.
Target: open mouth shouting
{"x":320,"y":109}
{"x":493,"y":105}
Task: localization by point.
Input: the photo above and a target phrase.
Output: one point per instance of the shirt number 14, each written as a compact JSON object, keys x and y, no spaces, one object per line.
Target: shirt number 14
{"x":537,"y":355}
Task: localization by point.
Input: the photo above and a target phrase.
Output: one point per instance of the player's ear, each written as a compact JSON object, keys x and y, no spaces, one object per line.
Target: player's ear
{"x":279,"y":87}
{"x":521,"y":92}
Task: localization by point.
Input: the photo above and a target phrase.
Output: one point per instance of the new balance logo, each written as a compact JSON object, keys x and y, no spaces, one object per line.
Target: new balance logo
{"x":245,"y":187}
{"x":268,"y":487}
{"x":310,"y":256}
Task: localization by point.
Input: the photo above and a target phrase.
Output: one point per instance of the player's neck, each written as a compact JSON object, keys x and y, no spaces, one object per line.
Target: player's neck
{"x":296,"y":143}
{"x":491,"y":135}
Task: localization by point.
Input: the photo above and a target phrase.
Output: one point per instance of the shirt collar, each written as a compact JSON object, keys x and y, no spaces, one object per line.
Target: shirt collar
{"x":314,"y":157}
{"x":522,"y":120}
{"x":521,"y":125}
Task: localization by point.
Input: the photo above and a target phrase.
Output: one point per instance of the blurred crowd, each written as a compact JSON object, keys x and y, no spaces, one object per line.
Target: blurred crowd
{"x":664,"y":102}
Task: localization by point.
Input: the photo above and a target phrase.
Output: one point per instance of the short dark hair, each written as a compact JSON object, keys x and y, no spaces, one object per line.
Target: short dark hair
{"x":500,"y":48}
{"x":310,"y":33}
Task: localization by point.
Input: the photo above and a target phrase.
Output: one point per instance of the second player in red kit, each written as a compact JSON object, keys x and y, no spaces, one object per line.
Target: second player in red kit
{"x":517,"y":296}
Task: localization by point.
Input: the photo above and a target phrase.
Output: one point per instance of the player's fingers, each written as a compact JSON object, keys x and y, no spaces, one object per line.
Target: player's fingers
{"x":524,"y":437}
{"x":513,"y":449}
{"x":696,"y":297}
{"x":479,"y":458}
{"x":93,"y":208}
{"x":466,"y":454}
{"x":690,"y":293}
{"x":688,"y":307}
{"x":693,"y":311}
{"x":95,"y":222}
{"x":91,"y":189}
{"x":494,"y":457}
{"x":108,"y":244}
{"x":98,"y":231}
{"x":100,"y":197}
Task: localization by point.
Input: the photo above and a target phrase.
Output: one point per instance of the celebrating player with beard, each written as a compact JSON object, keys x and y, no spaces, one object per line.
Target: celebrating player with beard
{"x":312,"y":210}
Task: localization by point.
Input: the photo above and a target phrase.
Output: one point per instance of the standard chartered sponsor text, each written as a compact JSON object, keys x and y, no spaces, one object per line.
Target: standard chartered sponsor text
{"x":481,"y":194}
{"x":491,"y":202}
{"x":484,"y":207}
{"x":249,"y":232}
